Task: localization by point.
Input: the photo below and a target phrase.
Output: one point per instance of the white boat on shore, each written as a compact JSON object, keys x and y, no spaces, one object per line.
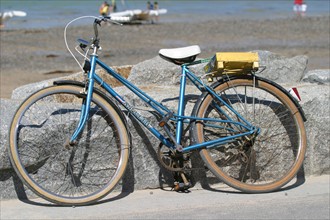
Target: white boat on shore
{"x":4,"y":16}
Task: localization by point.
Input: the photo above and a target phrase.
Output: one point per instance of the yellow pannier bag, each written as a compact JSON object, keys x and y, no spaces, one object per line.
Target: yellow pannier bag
{"x":231,"y":63}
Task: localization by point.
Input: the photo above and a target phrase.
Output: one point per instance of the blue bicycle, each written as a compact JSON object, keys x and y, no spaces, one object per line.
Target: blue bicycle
{"x":70,"y":143}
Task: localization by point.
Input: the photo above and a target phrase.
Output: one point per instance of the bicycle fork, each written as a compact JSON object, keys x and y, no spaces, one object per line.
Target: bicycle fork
{"x":86,"y":104}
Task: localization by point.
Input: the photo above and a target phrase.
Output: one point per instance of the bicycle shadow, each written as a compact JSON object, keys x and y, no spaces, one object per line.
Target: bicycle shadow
{"x":210,"y":183}
{"x":165,"y":177}
{"x":23,"y":197}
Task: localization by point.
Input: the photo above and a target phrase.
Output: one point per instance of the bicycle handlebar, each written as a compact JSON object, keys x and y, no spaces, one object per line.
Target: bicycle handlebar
{"x":87,"y":44}
{"x":98,"y":21}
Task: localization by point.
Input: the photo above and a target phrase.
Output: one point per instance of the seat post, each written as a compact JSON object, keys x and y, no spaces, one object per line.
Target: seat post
{"x":181,"y":104}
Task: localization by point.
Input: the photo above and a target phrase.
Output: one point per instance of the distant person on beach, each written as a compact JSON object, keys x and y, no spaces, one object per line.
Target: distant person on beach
{"x":104,"y":9}
{"x":153,"y":15}
{"x":299,"y":7}
{"x":114,"y":6}
{"x":156,"y":7}
{"x":150,"y":6}
{"x":2,"y":25}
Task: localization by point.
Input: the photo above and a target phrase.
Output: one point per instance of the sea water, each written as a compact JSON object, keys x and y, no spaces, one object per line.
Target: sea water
{"x":56,"y":13}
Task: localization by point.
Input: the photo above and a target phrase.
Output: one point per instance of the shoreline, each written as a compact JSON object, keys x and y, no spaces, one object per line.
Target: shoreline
{"x":32,"y":55}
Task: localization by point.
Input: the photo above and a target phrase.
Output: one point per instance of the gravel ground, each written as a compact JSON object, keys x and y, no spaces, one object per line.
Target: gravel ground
{"x":33,"y":55}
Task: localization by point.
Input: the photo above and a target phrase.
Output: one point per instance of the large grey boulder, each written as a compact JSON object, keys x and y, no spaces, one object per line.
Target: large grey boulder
{"x":7,"y":109}
{"x":8,"y":180}
{"x":159,"y":72}
{"x":316,"y":104}
{"x":160,"y":80}
{"x":282,"y":69}
{"x":155,"y":71}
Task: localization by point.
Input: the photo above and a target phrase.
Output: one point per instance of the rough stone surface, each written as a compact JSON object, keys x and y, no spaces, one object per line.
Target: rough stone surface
{"x":144,"y":170}
{"x":7,"y":109}
{"x":278,"y":68}
{"x":8,"y":180}
{"x":282,"y":69}
{"x":316,"y":104}
{"x":155,"y":71}
{"x":317,"y":76}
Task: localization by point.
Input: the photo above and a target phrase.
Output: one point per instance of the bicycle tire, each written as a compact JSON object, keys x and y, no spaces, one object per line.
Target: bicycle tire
{"x":278,"y":151}
{"x":82,"y":174}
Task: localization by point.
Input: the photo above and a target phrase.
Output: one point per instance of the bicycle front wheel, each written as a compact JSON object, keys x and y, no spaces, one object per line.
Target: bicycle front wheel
{"x":254,"y":165}
{"x":77,"y":175}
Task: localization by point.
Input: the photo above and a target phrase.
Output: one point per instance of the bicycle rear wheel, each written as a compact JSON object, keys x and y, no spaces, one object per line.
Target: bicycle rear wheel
{"x":271,"y":159}
{"x":81,"y":174}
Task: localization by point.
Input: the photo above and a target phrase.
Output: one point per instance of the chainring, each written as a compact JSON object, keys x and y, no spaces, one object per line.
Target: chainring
{"x":171,"y":160}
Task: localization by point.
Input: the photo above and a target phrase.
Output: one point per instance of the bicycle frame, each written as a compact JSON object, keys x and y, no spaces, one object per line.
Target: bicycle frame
{"x":179,"y":117}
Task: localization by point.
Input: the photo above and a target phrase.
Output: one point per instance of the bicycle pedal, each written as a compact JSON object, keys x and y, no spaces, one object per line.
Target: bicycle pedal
{"x":165,"y":119}
{"x":181,"y":187}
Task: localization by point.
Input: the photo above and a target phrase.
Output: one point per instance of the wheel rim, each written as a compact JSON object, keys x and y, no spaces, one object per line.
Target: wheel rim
{"x":84,"y":173}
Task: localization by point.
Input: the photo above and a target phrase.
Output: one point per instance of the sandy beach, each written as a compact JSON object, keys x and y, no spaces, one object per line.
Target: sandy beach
{"x":33,"y":55}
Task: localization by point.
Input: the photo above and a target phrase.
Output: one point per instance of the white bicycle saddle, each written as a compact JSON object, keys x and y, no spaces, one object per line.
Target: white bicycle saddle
{"x":180,"y":55}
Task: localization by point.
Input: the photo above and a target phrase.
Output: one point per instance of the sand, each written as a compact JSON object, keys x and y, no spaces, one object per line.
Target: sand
{"x":33,"y":55}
